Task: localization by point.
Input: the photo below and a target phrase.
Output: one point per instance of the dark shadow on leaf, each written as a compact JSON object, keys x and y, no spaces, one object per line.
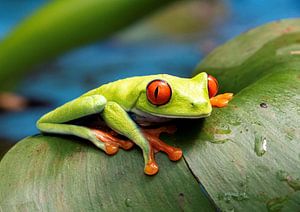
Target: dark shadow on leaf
{"x":188,"y":132}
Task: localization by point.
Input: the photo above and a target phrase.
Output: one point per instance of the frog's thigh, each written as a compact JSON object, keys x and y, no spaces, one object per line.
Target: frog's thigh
{"x":118,"y":119}
{"x":55,"y":121}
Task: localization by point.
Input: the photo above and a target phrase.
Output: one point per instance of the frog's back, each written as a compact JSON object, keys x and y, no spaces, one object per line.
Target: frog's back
{"x":125,"y":91}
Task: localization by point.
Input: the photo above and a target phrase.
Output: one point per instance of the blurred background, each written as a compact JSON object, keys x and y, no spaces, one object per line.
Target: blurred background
{"x":170,"y":39}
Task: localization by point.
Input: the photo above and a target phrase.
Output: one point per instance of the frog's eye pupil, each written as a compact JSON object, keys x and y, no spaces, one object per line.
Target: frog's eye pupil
{"x":158,"y":92}
{"x":212,"y":86}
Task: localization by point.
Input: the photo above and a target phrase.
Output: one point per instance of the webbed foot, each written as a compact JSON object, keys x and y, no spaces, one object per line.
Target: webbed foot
{"x":152,"y":135}
{"x":112,"y":143}
{"x":221,"y":100}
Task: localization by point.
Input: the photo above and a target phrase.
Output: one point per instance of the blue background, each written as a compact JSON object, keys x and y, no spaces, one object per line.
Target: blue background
{"x":70,"y":75}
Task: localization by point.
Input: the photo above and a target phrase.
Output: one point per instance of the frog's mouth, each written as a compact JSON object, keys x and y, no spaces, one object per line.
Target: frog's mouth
{"x":181,"y":117}
{"x":152,"y":115}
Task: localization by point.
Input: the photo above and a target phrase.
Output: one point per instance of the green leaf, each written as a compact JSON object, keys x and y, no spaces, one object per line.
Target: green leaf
{"x":250,"y":56}
{"x":239,"y":152}
{"x":47,"y":173}
{"x":62,"y":25}
{"x":245,"y":156}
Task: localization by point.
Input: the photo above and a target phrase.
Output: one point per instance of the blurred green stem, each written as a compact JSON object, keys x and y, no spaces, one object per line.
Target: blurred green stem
{"x":62,"y":25}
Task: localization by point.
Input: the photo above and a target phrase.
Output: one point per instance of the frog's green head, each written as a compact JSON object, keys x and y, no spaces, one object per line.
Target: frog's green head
{"x":169,"y":96}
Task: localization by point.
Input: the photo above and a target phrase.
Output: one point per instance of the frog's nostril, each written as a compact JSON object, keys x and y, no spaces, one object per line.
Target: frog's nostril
{"x":198,"y":104}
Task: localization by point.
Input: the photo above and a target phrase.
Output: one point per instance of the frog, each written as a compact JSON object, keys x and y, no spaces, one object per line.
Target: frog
{"x":135,"y":111}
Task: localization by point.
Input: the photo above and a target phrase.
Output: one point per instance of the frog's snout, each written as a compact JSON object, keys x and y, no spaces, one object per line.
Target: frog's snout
{"x":198,"y":104}
{"x":200,"y":108}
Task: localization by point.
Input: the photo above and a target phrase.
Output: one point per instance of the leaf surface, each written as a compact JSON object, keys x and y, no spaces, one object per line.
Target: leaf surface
{"x":245,"y":156}
{"x":48,"y":173}
{"x":241,"y":151}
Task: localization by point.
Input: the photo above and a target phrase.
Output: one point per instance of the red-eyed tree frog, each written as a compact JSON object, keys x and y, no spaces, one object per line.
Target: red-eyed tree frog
{"x":118,"y":114}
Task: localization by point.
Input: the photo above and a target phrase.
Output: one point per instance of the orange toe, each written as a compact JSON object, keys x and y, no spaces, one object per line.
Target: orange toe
{"x":221,"y":100}
{"x":227,"y":96}
{"x":128,"y":145}
{"x":175,"y":155}
{"x":218,"y":102}
{"x":151,"y":168}
{"x":111,"y":149}
{"x":222,"y":103}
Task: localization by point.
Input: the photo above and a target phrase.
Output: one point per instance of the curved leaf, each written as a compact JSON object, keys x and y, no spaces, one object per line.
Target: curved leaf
{"x":47,"y":173}
{"x":240,"y":150}
{"x":246,"y":156}
{"x":243,"y":149}
{"x":250,"y":56}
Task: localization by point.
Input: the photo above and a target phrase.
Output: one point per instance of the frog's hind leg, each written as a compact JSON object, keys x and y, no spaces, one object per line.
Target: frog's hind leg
{"x":57,"y":121}
{"x":83,"y":132}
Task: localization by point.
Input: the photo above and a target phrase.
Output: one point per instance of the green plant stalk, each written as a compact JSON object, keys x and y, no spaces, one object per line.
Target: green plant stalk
{"x":62,"y":25}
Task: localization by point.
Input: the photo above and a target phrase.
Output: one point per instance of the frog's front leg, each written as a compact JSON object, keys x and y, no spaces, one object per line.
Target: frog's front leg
{"x":152,"y":136}
{"x":118,"y":120}
{"x":221,"y":100}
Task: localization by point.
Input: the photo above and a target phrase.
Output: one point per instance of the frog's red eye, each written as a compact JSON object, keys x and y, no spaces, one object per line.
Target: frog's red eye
{"x":212,"y":86}
{"x":158,"y":92}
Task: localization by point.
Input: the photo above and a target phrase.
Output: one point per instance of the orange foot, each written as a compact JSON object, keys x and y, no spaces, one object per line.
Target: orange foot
{"x":112,"y":143}
{"x":156,"y":145}
{"x":221,"y":100}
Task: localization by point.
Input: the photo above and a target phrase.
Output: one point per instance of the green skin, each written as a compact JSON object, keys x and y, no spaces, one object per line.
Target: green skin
{"x":113,"y":102}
